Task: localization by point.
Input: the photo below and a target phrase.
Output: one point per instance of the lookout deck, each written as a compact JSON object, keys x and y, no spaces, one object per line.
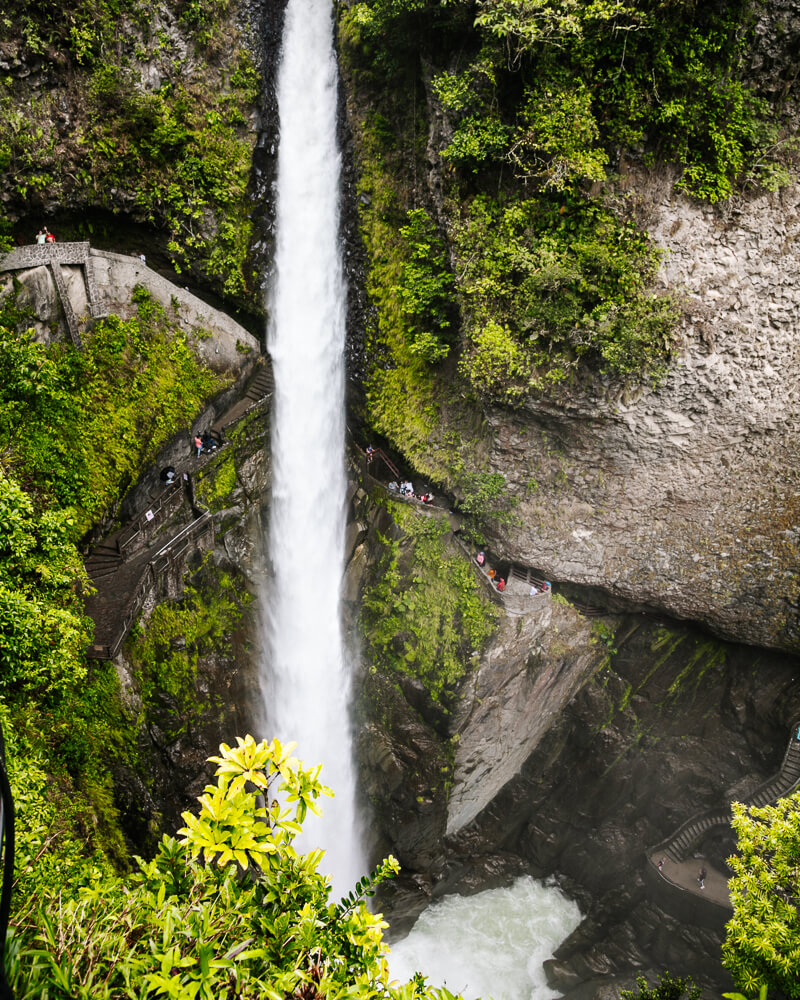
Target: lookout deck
{"x":680,"y":871}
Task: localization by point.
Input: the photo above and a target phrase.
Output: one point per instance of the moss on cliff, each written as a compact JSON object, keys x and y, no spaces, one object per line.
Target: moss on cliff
{"x":166,"y":647}
{"x":76,"y":429}
{"x":146,"y":111}
{"x":504,"y":126}
{"x":424,"y":614}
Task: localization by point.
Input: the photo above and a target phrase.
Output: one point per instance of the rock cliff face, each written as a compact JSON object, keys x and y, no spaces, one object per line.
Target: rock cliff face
{"x":180,"y":728}
{"x":572,"y":747}
{"x":683,"y":496}
{"x":110,"y":279}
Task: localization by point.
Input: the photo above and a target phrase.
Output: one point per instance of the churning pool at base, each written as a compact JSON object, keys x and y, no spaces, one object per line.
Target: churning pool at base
{"x":492,"y":944}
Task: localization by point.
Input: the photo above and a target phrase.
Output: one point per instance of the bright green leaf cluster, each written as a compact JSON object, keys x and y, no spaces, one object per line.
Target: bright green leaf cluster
{"x":762,"y":947}
{"x":230,"y":910}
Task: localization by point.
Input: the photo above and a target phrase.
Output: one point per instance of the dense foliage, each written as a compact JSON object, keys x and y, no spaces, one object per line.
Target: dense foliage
{"x":230,"y":909}
{"x":667,"y":988}
{"x":141,"y":120}
{"x":78,"y":425}
{"x":762,"y":947}
{"x":76,"y":428}
{"x":522,"y":117}
{"x":424,"y":614}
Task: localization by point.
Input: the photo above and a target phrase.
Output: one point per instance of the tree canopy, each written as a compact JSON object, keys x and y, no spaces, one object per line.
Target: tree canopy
{"x":762,"y":947}
{"x":227,"y":909}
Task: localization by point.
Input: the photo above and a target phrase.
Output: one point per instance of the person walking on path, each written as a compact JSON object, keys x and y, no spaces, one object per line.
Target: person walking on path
{"x":198,"y":443}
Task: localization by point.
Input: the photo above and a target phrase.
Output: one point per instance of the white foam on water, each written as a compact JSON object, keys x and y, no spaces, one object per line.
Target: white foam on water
{"x":492,"y":944}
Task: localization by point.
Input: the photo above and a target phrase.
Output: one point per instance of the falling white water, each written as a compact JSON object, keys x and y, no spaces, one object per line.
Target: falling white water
{"x":307,"y":687}
{"x":492,"y":944}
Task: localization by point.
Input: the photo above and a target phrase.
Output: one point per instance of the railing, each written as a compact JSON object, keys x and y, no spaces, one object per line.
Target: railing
{"x":159,"y":564}
{"x":218,"y":429}
{"x":146,"y":523}
{"x":7,"y":848}
{"x":786,"y":780}
{"x":378,"y":454}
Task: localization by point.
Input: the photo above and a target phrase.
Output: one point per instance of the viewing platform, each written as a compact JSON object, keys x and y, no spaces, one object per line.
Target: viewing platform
{"x":668,"y":863}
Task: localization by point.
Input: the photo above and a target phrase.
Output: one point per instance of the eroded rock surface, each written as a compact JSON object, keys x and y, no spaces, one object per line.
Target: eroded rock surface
{"x":683,"y":496}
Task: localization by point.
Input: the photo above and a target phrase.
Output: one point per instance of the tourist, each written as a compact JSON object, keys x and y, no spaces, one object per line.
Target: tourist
{"x":370,"y":453}
{"x":661,"y":865}
{"x":198,"y":443}
{"x":142,"y":258}
{"x":701,"y":878}
{"x":209,"y":442}
{"x":480,"y":558}
{"x":547,"y":587}
{"x":492,"y":574}
{"x":394,"y":487}
{"x":428,"y":498}
{"x":534,"y":591}
{"x":501,"y":584}
{"x":48,"y":236}
{"x":41,"y":235}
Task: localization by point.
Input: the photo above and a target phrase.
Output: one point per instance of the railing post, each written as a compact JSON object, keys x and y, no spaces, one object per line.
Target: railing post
{"x":7,"y":839}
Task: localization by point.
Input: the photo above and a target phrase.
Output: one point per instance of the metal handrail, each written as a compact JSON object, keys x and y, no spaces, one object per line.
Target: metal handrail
{"x":162,"y":507}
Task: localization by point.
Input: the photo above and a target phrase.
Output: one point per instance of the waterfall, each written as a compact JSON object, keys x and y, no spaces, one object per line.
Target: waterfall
{"x":307,"y":688}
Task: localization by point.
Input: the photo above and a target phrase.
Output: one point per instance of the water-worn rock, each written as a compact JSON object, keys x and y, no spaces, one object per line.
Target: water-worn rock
{"x":524,"y":680}
{"x":682,"y":496}
{"x":671,"y":723}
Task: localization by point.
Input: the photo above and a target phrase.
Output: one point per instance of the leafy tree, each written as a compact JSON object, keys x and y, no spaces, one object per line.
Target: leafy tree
{"x":43,"y":633}
{"x":556,"y":140}
{"x":762,"y":947}
{"x":666,"y":988}
{"x":230,"y":909}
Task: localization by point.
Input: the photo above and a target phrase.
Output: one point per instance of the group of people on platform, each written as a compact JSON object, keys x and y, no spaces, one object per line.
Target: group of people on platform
{"x":499,"y":583}
{"x":45,"y":236}
{"x":406,"y":489}
{"x":205,"y":442}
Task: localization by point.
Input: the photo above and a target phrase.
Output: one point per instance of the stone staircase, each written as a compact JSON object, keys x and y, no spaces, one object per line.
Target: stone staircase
{"x":126,"y":566}
{"x":678,"y":845}
{"x":259,"y":389}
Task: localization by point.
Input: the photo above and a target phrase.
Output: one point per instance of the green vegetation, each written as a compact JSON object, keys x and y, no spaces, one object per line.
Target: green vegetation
{"x":424,"y":615}
{"x":548,"y":283}
{"x":667,"y":988}
{"x":523,"y":114}
{"x":78,"y":425}
{"x":401,"y":389}
{"x":165,"y":649}
{"x":230,"y":908}
{"x":762,"y":947}
{"x":76,"y":429}
{"x":217,"y":481}
{"x":176,"y":154}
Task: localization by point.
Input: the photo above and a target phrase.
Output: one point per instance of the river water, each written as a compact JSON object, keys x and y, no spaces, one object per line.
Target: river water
{"x":491,"y":944}
{"x":306,"y":677}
